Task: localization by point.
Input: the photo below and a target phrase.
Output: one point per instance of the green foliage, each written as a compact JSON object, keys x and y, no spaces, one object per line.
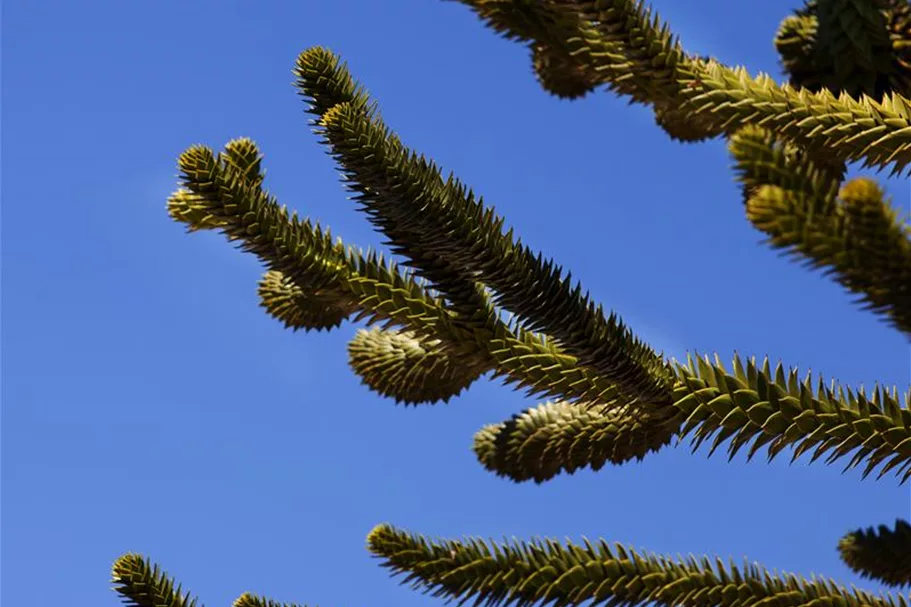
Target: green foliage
{"x":540,"y":572}
{"x":476,"y":300}
{"x":560,"y":436}
{"x":142,"y":584}
{"x":411,"y":370}
{"x":880,"y":554}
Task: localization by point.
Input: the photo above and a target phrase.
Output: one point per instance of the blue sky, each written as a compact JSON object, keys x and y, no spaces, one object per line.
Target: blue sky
{"x":149,"y":405}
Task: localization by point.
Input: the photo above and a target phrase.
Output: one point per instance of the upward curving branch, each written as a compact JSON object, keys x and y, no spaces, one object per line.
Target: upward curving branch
{"x":406,"y":198}
{"x":453,"y":240}
{"x":224,"y":192}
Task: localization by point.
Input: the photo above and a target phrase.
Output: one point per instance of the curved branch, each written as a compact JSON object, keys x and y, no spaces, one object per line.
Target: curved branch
{"x":142,"y":584}
{"x":298,"y":308}
{"x":557,"y":437}
{"x":410,"y":369}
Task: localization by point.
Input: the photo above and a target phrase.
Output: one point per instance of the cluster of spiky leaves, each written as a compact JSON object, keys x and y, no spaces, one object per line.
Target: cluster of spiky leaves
{"x":301,"y":308}
{"x":400,"y":365}
{"x":303,"y":258}
{"x":858,"y":47}
{"x":141,"y":583}
{"x":439,"y":326}
{"x":623,"y":45}
{"x":851,"y":231}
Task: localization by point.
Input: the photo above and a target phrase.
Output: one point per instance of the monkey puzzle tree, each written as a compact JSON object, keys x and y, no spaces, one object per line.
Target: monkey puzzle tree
{"x":475,"y":299}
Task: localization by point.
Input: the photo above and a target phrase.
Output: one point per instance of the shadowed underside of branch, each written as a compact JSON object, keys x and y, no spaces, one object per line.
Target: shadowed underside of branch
{"x":453,"y":239}
{"x":883,"y":554}
{"x":624,"y":44}
{"x":849,"y":46}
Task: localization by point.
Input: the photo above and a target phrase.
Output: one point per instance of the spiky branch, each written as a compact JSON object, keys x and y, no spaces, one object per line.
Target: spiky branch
{"x":440,"y":326}
{"x":140,"y":583}
{"x":545,"y":571}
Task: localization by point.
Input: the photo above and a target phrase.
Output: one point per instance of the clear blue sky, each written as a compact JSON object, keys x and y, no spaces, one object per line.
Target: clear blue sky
{"x":149,"y":404}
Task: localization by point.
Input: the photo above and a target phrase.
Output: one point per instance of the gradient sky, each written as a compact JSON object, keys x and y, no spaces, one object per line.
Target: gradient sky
{"x":150,"y":405}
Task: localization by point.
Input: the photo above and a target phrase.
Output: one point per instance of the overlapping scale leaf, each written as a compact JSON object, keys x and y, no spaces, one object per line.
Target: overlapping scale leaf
{"x":557,"y":437}
{"x":141,"y":583}
{"x":858,"y":239}
{"x":324,"y":81}
{"x":882,"y":554}
{"x":404,"y":195}
{"x":411,"y":369}
{"x":298,"y":308}
{"x":190,"y":210}
{"x":540,"y":365}
{"x":758,"y":407}
{"x":542,"y":572}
